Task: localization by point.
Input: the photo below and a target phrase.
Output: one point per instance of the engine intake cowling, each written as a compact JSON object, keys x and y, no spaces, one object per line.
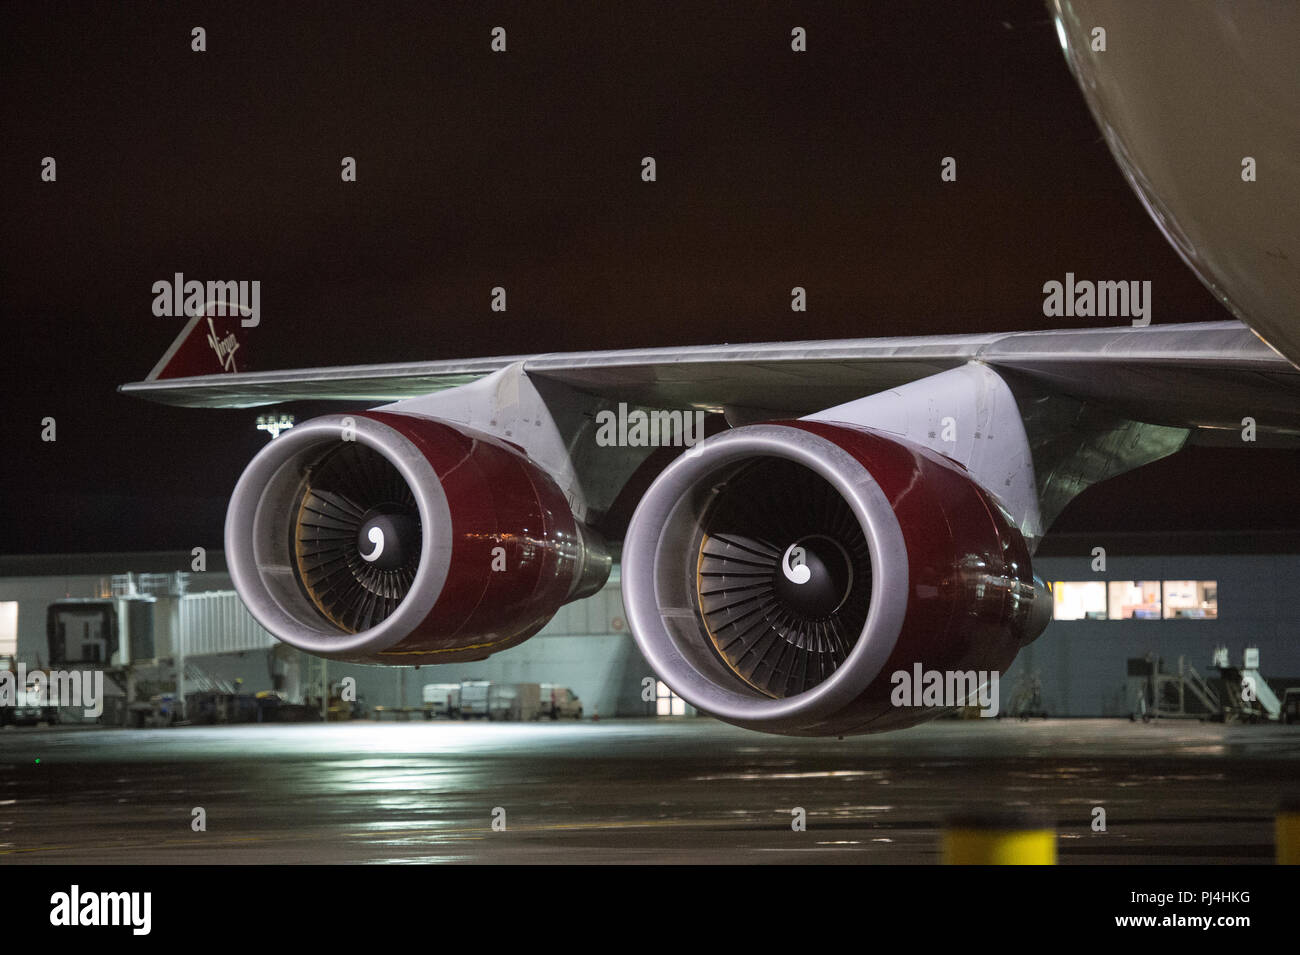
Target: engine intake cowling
{"x":379,"y":537}
{"x":777,"y":575}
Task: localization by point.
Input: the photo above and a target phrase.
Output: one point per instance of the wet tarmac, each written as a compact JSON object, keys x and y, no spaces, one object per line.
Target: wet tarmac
{"x":682,"y":791}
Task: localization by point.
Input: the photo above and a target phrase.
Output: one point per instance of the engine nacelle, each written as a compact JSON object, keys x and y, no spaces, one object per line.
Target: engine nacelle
{"x":778,"y":575}
{"x":379,"y":537}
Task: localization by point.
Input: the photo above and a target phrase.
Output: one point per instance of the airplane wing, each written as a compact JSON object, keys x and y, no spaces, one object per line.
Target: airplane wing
{"x":872,"y":499}
{"x":1203,"y":375}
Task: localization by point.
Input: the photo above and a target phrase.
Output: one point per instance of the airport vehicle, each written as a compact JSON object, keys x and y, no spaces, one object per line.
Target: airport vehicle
{"x":1291,"y":705}
{"x":210,"y":707}
{"x":1246,"y":694}
{"x":514,"y":701}
{"x":559,"y":703}
{"x":27,"y":713}
{"x":812,"y":517}
{"x":474,"y":700}
{"x":441,"y":700}
{"x":28,"y":709}
{"x":483,"y":699}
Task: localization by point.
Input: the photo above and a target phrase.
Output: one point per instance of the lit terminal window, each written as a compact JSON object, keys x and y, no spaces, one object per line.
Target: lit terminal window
{"x":668,"y":703}
{"x":1079,"y":600}
{"x":8,"y":628}
{"x":1134,"y":599}
{"x":1191,"y":599}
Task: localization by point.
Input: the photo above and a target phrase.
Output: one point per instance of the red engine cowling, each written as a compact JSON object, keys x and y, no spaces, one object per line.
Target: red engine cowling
{"x":781,"y":576}
{"x":379,"y":537}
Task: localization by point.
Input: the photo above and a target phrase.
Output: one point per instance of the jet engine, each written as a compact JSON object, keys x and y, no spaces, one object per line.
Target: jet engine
{"x":380,"y":537}
{"x":778,"y":576}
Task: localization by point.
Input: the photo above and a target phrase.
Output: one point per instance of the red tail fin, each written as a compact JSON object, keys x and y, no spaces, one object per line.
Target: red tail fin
{"x":211,"y":344}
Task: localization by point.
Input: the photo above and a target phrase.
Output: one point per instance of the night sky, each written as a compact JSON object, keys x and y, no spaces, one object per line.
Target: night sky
{"x":522,"y":169}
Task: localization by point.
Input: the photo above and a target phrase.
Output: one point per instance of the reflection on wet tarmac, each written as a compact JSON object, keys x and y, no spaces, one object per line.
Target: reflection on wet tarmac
{"x":630,"y":791}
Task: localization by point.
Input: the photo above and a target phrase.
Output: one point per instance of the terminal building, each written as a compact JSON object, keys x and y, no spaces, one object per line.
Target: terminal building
{"x":159,"y":628}
{"x":1168,"y":608}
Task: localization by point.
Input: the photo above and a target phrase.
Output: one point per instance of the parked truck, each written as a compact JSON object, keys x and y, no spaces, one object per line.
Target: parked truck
{"x":559,"y":703}
{"x":441,"y":700}
{"x":514,"y":701}
{"x":28,"y":710}
{"x":30,"y":706}
{"x":474,"y":699}
{"x":483,"y":699}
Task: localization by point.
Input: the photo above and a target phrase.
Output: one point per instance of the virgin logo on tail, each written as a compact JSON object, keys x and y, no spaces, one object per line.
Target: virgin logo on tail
{"x":224,"y":347}
{"x":209,"y":344}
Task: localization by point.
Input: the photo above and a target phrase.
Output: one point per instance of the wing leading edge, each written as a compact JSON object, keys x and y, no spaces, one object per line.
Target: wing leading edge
{"x":1204,"y":375}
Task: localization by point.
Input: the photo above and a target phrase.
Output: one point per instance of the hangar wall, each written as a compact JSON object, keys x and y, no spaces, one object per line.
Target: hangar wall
{"x":1081,"y":664}
{"x":585,"y":647}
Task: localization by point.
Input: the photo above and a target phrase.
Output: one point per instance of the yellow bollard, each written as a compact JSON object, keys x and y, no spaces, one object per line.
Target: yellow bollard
{"x":999,"y":837}
{"x":1287,"y":831}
